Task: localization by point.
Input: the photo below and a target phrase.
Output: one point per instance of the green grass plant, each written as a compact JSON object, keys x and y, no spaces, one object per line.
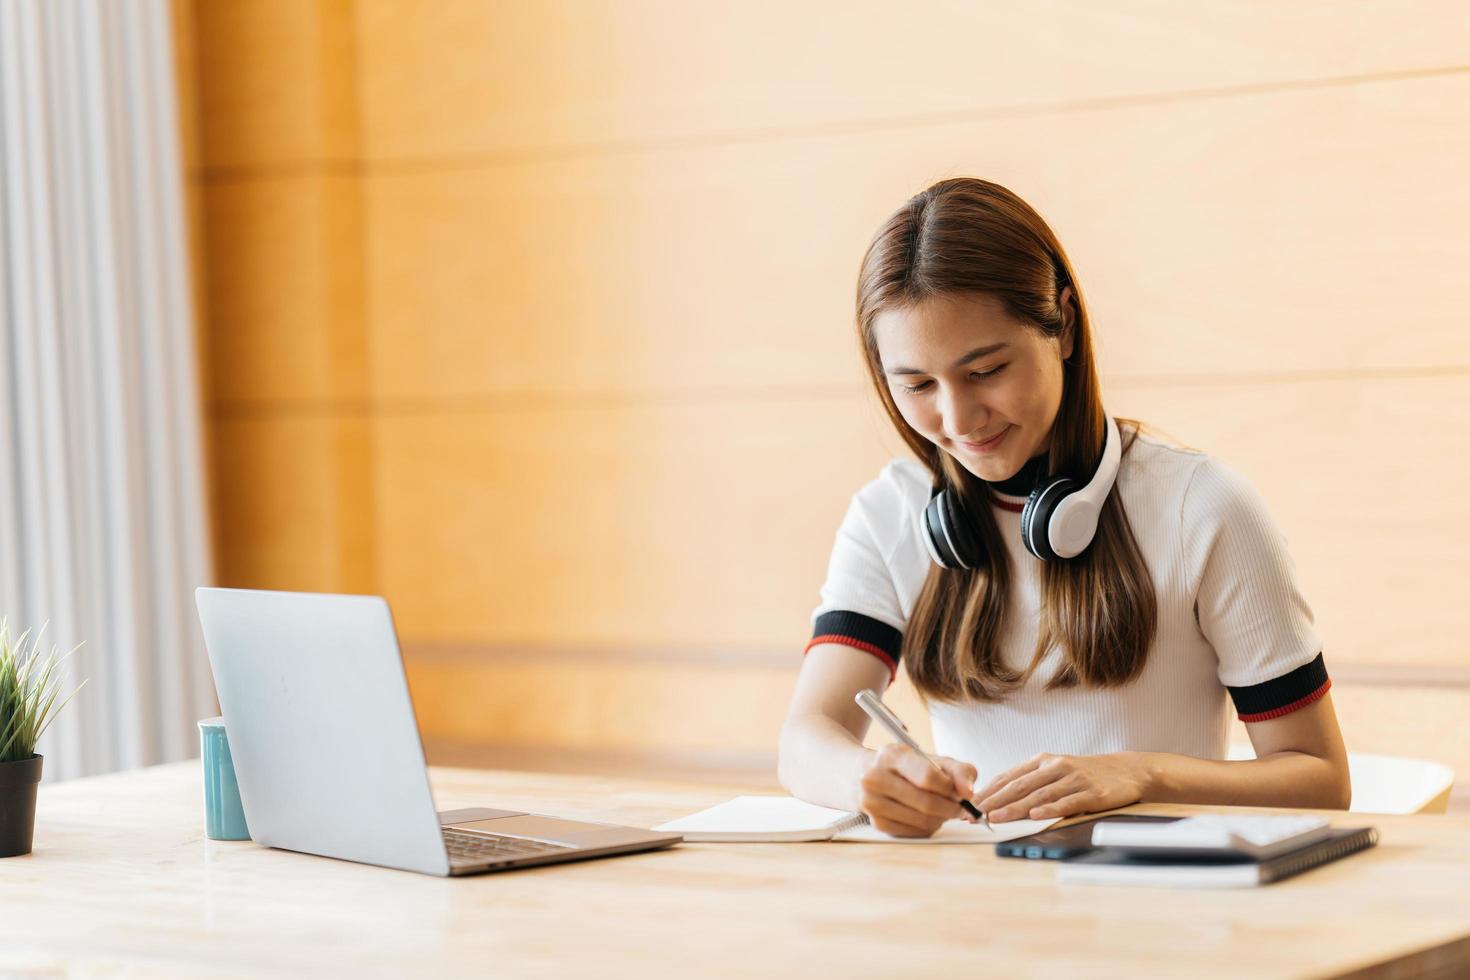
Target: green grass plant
{"x":29,"y":685}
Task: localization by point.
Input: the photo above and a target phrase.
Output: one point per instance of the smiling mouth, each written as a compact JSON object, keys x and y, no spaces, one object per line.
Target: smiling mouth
{"x":986,"y":443}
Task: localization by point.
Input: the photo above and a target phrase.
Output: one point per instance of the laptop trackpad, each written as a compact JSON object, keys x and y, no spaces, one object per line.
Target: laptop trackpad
{"x":571,"y":832}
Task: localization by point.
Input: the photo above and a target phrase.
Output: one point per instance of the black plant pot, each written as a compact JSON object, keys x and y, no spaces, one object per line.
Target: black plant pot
{"x":18,"y":804}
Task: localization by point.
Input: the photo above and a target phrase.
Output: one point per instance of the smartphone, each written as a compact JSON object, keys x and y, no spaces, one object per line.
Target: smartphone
{"x":1059,"y":843}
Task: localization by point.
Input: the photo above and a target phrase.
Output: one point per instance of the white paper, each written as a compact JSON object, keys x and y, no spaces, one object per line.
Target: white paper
{"x":953,"y":832}
{"x":758,"y":815}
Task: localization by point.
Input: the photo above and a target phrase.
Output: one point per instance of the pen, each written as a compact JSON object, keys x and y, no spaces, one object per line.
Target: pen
{"x":879,"y":712}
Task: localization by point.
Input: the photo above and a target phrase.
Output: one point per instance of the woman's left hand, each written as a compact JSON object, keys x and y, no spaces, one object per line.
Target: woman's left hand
{"x":1060,"y":785}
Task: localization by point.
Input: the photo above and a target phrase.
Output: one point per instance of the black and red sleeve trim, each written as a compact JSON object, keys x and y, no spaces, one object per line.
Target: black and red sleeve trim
{"x":1284,"y":694}
{"x":862,"y":632}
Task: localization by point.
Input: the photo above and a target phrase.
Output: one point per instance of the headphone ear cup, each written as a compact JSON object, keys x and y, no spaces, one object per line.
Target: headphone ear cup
{"x":1036,"y":517}
{"x":950,"y":541}
{"x":1026,"y":513}
{"x":967,"y":548}
{"x":935,"y":539}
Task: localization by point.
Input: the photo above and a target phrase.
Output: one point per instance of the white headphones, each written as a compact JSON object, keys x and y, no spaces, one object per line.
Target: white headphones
{"x":1059,"y":520}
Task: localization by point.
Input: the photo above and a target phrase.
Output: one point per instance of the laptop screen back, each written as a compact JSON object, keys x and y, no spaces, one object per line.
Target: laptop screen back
{"x":321,"y":727}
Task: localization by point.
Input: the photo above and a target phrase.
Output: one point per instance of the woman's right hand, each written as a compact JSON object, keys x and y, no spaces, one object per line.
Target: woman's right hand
{"x":904,"y":796}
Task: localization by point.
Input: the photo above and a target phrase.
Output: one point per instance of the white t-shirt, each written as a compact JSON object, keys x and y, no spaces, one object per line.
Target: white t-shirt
{"x":1230,"y":615}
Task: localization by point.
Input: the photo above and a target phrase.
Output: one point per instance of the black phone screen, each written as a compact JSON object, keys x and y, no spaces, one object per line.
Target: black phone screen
{"x":1063,"y":842}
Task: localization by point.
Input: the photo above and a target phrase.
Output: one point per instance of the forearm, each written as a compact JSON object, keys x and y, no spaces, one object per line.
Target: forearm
{"x":822,"y":762}
{"x":1289,"y":779}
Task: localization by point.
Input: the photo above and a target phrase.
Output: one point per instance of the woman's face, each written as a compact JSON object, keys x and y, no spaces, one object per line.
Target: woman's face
{"x":978,"y":383}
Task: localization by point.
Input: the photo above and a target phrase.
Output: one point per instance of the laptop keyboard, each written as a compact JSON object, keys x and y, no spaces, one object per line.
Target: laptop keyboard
{"x":466,"y":847}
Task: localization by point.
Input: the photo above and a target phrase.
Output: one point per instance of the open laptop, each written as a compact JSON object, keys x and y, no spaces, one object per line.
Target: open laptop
{"x":327,"y":750}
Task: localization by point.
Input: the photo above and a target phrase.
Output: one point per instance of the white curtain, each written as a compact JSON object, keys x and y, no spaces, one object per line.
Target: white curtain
{"x":102,"y":525}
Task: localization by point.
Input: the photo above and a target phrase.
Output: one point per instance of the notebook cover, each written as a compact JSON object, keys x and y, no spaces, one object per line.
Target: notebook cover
{"x":1109,"y":866}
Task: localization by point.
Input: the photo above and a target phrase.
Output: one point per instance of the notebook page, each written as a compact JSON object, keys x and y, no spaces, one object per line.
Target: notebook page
{"x":953,"y":832}
{"x":752,"y":817}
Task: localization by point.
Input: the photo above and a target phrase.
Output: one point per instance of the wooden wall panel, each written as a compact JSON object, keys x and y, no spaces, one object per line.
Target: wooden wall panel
{"x":536,"y":317}
{"x":1416,"y":722}
{"x":1347,"y":467}
{"x":284,"y":260}
{"x":290,"y":501}
{"x":1265,"y":234}
{"x":464,"y":77}
{"x":624,"y":701}
{"x":600,"y":524}
{"x":278,"y":85}
{"x":280,"y":255}
{"x":615,"y":705}
{"x":599,"y":562}
{"x":584,"y":704}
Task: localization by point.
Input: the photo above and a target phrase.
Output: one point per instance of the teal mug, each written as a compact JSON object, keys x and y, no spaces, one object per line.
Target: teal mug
{"x":224,"y":817}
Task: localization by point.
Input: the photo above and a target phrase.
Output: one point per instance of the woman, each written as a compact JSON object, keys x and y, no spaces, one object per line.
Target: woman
{"x":1056,"y":685}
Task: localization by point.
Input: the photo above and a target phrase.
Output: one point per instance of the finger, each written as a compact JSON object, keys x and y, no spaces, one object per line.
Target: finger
{"x":1020,"y":788}
{"x":892,"y":817}
{"x":899,"y":821}
{"x":1065,"y":786}
{"x":963,"y":774}
{"x":925,"y":775}
{"x":1013,"y":773}
{"x":894,"y":828}
{"x":913,"y":766}
{"x":896,"y":786}
{"x":1064,"y":807}
{"x":894,"y":775}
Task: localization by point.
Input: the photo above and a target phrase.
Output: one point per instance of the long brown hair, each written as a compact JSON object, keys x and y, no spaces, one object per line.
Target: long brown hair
{"x":972,"y":236}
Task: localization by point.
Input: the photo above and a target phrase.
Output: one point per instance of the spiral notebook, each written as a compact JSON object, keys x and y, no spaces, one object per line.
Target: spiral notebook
{"x":1108,"y":866}
{"x":785,"y":818}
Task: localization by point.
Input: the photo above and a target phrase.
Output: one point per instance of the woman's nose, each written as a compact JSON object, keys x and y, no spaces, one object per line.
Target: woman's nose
{"x":964,"y":415}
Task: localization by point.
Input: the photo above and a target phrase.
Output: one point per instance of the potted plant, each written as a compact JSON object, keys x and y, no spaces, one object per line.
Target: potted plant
{"x":29,"y":684}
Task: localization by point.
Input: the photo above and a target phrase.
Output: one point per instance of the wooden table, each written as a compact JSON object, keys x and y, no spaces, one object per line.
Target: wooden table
{"x":123,"y":880}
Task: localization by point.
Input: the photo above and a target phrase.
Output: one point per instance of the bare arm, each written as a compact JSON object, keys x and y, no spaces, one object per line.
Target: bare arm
{"x":823,"y":760}
{"x":1300,"y":762}
{"x":822,"y":757}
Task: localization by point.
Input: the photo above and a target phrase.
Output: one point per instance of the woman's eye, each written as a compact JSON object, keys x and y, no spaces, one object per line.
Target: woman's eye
{"x":980,"y":375}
